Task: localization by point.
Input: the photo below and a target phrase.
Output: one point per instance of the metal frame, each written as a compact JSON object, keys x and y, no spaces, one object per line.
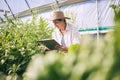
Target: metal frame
{"x":98,"y":34}
{"x":28,"y":6}
{"x":9,"y":8}
{"x":48,"y":7}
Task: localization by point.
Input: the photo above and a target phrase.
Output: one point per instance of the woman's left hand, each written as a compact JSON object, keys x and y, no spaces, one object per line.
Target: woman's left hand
{"x":62,"y":48}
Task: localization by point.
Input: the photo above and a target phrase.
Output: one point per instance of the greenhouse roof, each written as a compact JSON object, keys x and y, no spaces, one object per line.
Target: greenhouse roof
{"x":22,"y":8}
{"x":16,"y":6}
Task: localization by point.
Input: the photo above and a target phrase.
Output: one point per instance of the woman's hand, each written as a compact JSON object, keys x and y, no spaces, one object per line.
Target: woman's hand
{"x":46,"y":49}
{"x":62,"y":48}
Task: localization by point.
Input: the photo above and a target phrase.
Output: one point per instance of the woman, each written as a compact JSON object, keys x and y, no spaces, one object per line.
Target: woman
{"x":65,"y":34}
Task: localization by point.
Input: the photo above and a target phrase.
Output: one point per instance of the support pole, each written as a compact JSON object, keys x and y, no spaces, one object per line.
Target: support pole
{"x":28,"y":6}
{"x":57,"y":5}
{"x":10,"y":9}
{"x":98,"y":35}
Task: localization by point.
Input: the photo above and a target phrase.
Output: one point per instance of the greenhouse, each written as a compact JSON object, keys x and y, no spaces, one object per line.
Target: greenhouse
{"x":59,"y":39}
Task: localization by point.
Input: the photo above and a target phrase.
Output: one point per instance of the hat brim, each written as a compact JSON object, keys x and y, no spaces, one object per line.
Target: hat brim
{"x":59,"y":18}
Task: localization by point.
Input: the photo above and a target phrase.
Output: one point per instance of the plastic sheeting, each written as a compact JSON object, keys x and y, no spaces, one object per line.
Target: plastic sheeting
{"x":20,"y":5}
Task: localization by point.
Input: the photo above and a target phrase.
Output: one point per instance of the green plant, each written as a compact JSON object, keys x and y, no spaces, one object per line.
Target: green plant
{"x":86,"y":63}
{"x":115,"y":71}
{"x":18,"y":42}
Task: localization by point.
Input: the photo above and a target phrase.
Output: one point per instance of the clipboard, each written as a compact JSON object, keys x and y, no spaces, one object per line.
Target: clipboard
{"x":49,"y":43}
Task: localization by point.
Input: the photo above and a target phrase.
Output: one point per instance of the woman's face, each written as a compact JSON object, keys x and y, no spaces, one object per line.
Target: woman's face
{"x":59,"y":23}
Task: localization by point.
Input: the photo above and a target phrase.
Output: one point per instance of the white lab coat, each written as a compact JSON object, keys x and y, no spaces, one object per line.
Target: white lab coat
{"x":71,"y":35}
